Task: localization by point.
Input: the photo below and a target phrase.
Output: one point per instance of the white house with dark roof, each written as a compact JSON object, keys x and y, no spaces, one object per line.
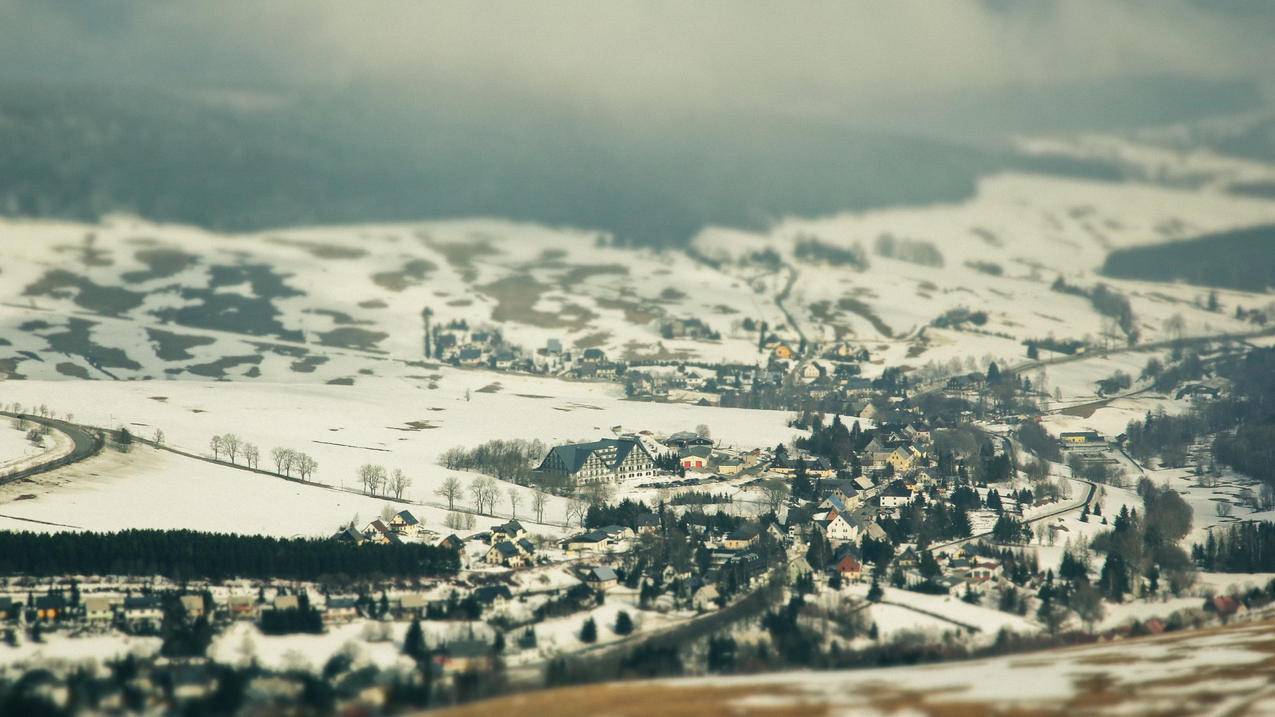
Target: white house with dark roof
{"x":609,"y":460}
{"x":602,"y":578}
{"x":404,"y":523}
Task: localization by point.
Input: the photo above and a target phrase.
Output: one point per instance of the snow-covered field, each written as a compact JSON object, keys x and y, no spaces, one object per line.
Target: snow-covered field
{"x":17,"y":452}
{"x":92,"y":651}
{"x":894,"y":616}
{"x":391,"y":422}
{"x":327,"y":303}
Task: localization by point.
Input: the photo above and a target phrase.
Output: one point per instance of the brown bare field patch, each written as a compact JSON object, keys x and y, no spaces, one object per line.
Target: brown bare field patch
{"x":635,"y":312}
{"x":461,"y":255}
{"x":1084,"y":410}
{"x":593,"y":340}
{"x":320,"y":250}
{"x":516,"y":297}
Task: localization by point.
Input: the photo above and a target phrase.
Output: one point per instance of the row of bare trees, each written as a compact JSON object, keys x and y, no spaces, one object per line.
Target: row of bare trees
{"x":287,"y":460}
{"x":232,"y":447}
{"x":485,"y":491}
{"x":377,"y":481}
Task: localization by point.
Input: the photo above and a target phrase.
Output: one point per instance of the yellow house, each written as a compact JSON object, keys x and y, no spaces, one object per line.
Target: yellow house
{"x":783,"y":351}
{"x":1080,"y":438}
{"x":903,"y":458}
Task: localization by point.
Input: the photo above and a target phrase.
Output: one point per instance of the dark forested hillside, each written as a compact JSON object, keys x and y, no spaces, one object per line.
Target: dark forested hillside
{"x":80,"y":152}
{"x":1239,"y":259}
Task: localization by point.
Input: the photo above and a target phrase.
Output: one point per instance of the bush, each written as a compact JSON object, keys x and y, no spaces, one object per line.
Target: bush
{"x":623,"y":623}
{"x":589,"y":631}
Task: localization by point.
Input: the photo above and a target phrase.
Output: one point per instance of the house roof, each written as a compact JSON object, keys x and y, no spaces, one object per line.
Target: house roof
{"x":141,"y":602}
{"x":407,"y":517}
{"x":897,"y":490}
{"x":512,"y":527}
{"x":601,"y":574}
{"x":593,"y":536}
{"x":467,"y":648}
{"x":574,"y":455}
{"x":697,"y":451}
{"x":506,"y":549}
{"x":348,"y":533}
{"x":50,"y":601}
{"x":488,"y":594}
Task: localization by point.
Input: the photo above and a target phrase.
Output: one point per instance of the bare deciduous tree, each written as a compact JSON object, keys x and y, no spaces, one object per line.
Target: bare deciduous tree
{"x":388,"y":512}
{"x":451,"y":489}
{"x":251,"y":455}
{"x":372,"y":477}
{"x":231,"y":444}
{"x":515,"y":500}
{"x":599,"y":493}
{"x":306,"y":466}
{"x":459,"y":521}
{"x":1224,"y":509}
{"x":576,"y":510}
{"x":774,"y":493}
{"x":399,"y":483}
{"x":538,"y":502}
{"x":217,"y":447}
{"x":485,"y":490}
{"x":279,"y":455}
{"x":159,"y":433}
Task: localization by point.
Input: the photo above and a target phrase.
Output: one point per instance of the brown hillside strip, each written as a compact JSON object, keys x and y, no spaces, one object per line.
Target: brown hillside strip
{"x":646,"y":700}
{"x":1107,"y":683}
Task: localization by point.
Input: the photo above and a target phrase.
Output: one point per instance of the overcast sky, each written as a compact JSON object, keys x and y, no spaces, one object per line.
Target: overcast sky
{"x":804,"y":57}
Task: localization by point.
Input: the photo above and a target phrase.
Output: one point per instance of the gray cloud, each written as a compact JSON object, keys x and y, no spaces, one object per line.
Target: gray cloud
{"x":821,"y":58}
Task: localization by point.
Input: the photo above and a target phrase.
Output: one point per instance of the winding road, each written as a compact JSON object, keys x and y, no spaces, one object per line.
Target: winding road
{"x":85,"y":443}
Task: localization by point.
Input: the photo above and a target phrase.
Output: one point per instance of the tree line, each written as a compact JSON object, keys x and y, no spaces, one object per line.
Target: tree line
{"x":187,"y":554}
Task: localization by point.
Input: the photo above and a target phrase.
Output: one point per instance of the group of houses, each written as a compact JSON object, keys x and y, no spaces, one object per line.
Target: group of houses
{"x":509,"y":544}
{"x":391,"y":531}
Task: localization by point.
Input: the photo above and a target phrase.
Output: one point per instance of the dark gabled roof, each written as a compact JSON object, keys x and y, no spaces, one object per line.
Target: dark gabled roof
{"x":469,"y":353}
{"x":594,"y":353}
{"x":827,"y":485}
{"x":467,"y":648}
{"x":407,"y":517}
{"x":526,"y":545}
{"x":593,"y":536}
{"x":506,"y":549}
{"x":512,"y":527}
{"x":697,"y":451}
{"x":896,"y":490}
{"x":348,"y":533}
{"x":452,"y":541}
{"x":843,"y":550}
{"x":50,"y":601}
{"x":488,"y":594}
{"x":601,"y":574}
{"x":341,"y":603}
{"x":742,"y":533}
{"x":574,"y":455}
{"x":797,"y":515}
{"x":141,"y":602}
